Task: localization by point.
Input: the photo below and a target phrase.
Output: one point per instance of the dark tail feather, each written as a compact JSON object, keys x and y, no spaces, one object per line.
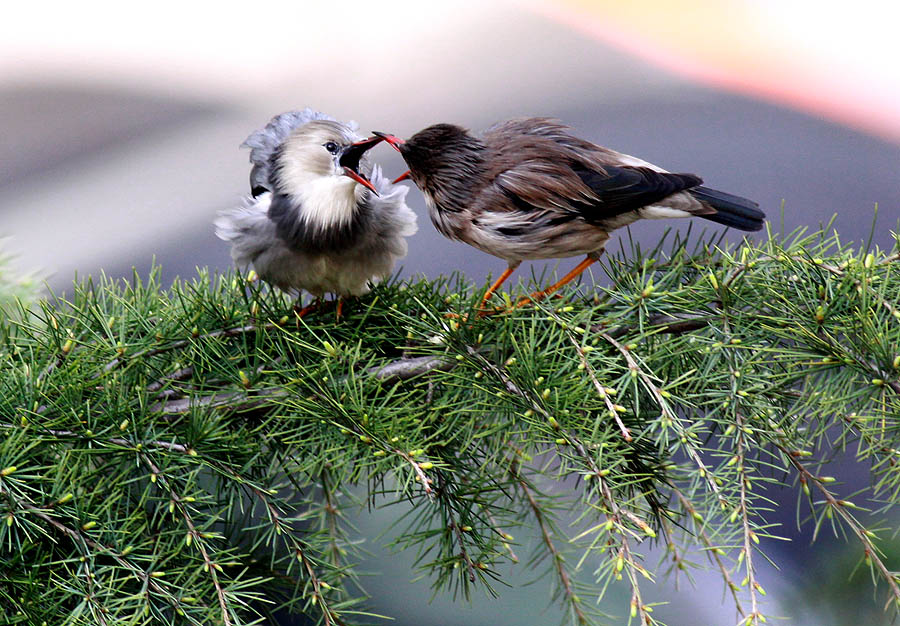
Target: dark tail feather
{"x":731,"y":210}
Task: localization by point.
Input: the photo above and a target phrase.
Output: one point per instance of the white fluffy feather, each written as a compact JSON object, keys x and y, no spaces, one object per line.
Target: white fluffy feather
{"x":325,"y":198}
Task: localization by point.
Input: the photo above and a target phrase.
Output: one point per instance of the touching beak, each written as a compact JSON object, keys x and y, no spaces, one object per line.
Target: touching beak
{"x":351,"y":157}
{"x":395,"y":142}
{"x":404,"y":176}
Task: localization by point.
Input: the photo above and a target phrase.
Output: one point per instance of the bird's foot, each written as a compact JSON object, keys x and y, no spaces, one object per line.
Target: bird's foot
{"x":339,"y":309}
{"x":301,"y":312}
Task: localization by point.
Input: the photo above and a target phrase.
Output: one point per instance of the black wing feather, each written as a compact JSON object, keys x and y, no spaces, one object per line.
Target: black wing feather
{"x":624,"y":189}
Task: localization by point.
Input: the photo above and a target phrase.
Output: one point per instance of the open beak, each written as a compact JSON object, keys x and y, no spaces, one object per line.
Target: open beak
{"x":350,"y":160}
{"x":395,"y":142}
{"x":404,"y":176}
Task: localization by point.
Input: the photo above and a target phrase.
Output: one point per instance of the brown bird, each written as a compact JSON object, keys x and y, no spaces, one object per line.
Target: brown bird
{"x":529,"y":189}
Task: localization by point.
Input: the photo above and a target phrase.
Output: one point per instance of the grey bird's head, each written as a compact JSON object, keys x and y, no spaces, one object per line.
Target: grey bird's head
{"x":322,"y":154}
{"x":443,"y":159}
{"x":313,"y":168}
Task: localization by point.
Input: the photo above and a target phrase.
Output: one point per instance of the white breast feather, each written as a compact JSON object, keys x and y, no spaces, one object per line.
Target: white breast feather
{"x":327,"y":200}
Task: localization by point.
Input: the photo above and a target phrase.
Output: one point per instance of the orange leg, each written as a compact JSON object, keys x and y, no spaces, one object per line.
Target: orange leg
{"x":340,"y":307}
{"x":502,"y":279}
{"x":309,"y":308}
{"x":537,"y":296}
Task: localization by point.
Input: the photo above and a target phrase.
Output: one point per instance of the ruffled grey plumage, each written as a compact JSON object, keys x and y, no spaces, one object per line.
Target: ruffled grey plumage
{"x":305,"y":225}
{"x":264,"y":142}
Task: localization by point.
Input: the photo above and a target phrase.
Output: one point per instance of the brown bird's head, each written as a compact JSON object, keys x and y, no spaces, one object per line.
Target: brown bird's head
{"x":443,"y":160}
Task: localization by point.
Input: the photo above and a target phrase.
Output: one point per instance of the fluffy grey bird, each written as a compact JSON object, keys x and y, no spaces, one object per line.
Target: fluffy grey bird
{"x":529,"y":189}
{"x":320,"y":217}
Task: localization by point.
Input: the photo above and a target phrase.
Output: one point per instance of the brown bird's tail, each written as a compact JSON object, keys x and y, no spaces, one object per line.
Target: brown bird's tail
{"x":731,"y":210}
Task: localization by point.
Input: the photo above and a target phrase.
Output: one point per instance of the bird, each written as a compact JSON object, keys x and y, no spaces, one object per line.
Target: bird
{"x":528,"y":189}
{"x":319,"y":217}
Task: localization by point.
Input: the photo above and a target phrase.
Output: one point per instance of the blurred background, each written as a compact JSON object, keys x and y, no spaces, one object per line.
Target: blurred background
{"x":120,"y":125}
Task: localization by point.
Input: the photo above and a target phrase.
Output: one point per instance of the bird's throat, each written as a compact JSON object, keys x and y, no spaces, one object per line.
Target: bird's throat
{"x":328,"y":202}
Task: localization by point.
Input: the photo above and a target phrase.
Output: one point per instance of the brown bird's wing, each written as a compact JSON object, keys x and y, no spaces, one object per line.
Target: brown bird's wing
{"x":539,"y":166}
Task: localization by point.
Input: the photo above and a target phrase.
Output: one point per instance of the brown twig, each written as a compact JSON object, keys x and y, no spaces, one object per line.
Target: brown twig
{"x":610,"y":405}
{"x":616,"y":513}
{"x":660,"y":323}
{"x":667,"y":411}
{"x":118,"y":441}
{"x":470,"y":566}
{"x":749,"y":535}
{"x":225,"y":332}
{"x":561,"y":572}
{"x":209,"y":565}
{"x":711,"y":550}
{"x":401,"y":369}
{"x":329,"y":615}
{"x":505,"y":536}
{"x":78,"y":536}
{"x":840,"y":507}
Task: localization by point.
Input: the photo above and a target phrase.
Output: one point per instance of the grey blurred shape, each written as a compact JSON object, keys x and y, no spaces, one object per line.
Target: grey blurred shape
{"x":47,"y":127}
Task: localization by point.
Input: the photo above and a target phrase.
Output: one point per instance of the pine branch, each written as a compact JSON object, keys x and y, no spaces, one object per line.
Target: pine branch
{"x":199,"y":449}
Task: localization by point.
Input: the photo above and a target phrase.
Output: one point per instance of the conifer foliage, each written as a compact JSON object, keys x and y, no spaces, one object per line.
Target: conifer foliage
{"x":188,"y":454}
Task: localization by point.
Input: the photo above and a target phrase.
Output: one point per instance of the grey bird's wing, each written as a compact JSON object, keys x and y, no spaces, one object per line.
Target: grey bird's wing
{"x":539,"y":166}
{"x":264,"y":142}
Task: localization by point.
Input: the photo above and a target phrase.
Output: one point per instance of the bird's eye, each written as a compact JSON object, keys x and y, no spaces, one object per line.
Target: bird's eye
{"x":331,"y":147}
